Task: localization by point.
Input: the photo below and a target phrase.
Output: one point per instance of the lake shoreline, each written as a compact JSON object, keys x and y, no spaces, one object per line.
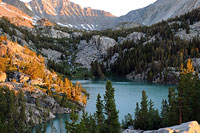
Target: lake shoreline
{"x":127,"y":93}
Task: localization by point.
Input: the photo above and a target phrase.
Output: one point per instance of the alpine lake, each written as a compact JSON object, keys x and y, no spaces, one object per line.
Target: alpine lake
{"x":127,"y":93}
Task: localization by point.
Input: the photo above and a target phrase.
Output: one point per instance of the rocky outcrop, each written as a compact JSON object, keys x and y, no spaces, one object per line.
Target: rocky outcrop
{"x":77,"y":34}
{"x":52,"y":33}
{"x":95,"y":49}
{"x":126,"y":25}
{"x":37,"y":114}
{"x":2,"y":76}
{"x":18,"y":77}
{"x":196,"y":63}
{"x":135,"y":36}
{"x":188,"y":127}
{"x":168,"y":76}
{"x":40,"y":107}
{"x":113,"y":59}
{"x":52,"y":54}
{"x":193,"y":32}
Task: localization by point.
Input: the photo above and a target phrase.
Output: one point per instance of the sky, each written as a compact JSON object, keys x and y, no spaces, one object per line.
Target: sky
{"x":115,"y":7}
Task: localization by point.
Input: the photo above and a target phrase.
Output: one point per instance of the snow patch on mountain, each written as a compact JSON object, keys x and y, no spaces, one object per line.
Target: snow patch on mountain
{"x":28,"y":6}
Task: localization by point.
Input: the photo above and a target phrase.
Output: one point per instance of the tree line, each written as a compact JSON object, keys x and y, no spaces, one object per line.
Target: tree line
{"x":104,"y":120}
{"x":12,"y":115}
{"x":181,"y":106}
{"x":164,"y":50}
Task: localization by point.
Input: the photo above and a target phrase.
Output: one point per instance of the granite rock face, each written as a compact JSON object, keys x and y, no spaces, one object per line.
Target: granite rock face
{"x":52,"y":54}
{"x":188,"y":127}
{"x":135,"y":36}
{"x":193,"y":32}
{"x":93,"y":50}
{"x":50,"y":32}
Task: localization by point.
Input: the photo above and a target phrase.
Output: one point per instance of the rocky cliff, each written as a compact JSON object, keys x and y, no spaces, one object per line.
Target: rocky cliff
{"x":95,"y":49}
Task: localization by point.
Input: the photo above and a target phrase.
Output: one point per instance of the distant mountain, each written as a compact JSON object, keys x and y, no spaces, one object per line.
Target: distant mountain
{"x":69,"y":14}
{"x":160,"y":10}
{"x":14,"y":15}
{"x":20,"y":5}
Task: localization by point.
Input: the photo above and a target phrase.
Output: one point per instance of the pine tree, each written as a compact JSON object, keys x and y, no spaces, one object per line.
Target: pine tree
{"x":99,"y":114}
{"x":146,"y":117}
{"x":185,"y":90}
{"x":164,"y":113}
{"x":151,"y":118}
{"x":137,"y":111}
{"x":72,"y":127}
{"x":128,"y":121}
{"x":173,"y":115}
{"x":111,"y":123}
{"x":22,"y":115}
{"x":144,"y":111}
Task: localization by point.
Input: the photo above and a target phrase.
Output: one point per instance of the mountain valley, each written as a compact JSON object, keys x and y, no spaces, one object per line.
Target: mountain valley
{"x":46,"y":44}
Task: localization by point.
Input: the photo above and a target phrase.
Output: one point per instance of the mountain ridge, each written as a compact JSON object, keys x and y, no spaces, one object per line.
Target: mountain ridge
{"x":69,"y":14}
{"x":14,"y":15}
{"x":158,"y":11}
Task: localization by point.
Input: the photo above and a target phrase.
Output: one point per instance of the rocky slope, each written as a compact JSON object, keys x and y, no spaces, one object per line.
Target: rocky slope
{"x":20,"y":5}
{"x":188,"y":127}
{"x":69,"y":14}
{"x":145,"y":38}
{"x":22,"y":69}
{"x":160,"y":10}
{"x":15,"y":80}
{"x":14,"y":15}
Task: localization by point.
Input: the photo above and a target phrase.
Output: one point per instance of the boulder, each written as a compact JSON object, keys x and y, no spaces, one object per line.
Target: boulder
{"x":188,"y":127}
{"x":3,"y":77}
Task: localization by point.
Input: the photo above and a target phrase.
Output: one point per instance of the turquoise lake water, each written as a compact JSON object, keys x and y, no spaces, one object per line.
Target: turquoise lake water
{"x":127,"y":93}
